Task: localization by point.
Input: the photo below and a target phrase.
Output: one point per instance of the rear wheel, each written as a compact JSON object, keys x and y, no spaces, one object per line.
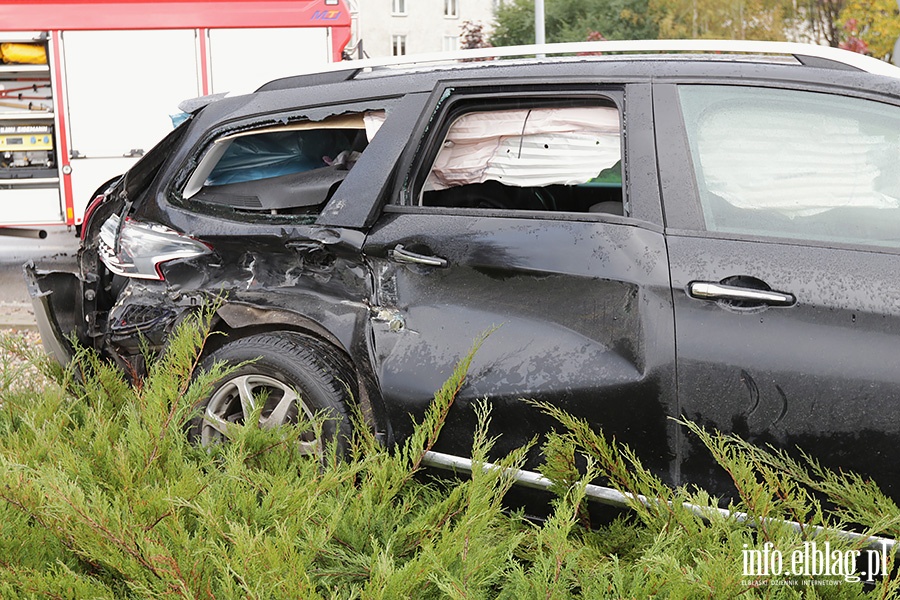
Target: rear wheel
{"x":292,"y":375}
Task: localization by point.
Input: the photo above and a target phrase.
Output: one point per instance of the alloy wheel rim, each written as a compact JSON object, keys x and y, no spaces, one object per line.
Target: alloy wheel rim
{"x":238,"y":396}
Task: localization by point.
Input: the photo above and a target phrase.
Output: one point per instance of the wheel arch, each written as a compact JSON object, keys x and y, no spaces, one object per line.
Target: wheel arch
{"x":236,"y":320}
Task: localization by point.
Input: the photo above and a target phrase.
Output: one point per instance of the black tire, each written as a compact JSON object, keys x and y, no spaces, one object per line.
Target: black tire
{"x":284,"y":363}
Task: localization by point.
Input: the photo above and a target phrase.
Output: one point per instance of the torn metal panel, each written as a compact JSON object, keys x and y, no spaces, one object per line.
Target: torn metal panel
{"x":392,"y":316}
{"x":55,"y":297}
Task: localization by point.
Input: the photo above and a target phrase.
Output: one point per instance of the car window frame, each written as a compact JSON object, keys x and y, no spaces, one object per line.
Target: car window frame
{"x":206,"y":142}
{"x":682,"y":207}
{"x":358,"y":200}
{"x":636,"y":141}
{"x":472,"y":100}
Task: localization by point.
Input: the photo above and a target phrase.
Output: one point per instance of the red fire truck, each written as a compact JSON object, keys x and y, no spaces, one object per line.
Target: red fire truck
{"x":86,"y":86}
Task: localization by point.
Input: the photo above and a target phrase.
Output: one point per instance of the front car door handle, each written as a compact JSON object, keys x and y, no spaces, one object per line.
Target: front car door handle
{"x":707,"y":290}
{"x":402,"y":255}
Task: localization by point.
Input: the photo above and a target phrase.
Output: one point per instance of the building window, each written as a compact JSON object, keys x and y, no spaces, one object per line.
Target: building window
{"x":451,"y":43}
{"x":450,"y":8}
{"x":398,"y":7}
{"x":398,"y":45}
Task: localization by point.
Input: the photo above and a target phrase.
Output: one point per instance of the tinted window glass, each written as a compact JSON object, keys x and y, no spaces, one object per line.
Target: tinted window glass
{"x":795,"y":164}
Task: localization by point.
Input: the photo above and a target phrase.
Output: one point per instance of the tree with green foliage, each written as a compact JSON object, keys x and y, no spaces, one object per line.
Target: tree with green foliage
{"x":874,"y":23}
{"x":819,"y":20}
{"x":714,"y":19}
{"x":574,"y":20}
{"x":868,"y":26}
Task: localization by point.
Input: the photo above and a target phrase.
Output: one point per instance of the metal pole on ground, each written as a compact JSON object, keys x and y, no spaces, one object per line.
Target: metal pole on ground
{"x":23,"y":232}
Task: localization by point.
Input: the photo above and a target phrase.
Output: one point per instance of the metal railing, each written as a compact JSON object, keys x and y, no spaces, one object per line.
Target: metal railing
{"x":613,"y":497}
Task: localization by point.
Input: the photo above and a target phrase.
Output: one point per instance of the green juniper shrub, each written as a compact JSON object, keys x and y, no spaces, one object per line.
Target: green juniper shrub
{"x":102,"y":496}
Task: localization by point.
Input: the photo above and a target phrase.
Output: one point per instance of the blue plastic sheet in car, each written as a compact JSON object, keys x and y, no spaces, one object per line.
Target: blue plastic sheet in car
{"x":262,"y":156}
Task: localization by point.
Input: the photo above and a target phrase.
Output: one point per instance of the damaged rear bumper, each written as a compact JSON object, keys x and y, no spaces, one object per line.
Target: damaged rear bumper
{"x":56,"y":297}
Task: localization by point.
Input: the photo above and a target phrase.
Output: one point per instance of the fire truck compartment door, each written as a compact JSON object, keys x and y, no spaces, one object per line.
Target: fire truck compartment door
{"x":244,"y":59}
{"x":123,"y":85}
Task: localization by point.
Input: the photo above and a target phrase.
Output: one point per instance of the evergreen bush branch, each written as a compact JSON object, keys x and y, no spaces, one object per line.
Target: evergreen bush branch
{"x":425,"y":434}
{"x":102,"y":496}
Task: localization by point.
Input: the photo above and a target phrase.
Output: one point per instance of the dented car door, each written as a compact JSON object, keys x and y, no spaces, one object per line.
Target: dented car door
{"x":577,"y":302}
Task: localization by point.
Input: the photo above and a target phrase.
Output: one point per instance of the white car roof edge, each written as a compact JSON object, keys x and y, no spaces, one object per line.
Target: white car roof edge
{"x":864,"y":63}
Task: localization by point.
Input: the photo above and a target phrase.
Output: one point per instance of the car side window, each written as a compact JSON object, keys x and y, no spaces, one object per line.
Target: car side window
{"x":795,"y":164}
{"x":560,"y":158}
{"x":283,"y":168}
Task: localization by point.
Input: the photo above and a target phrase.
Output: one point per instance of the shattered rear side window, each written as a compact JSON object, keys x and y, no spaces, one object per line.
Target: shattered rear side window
{"x":276,"y":151}
{"x":290,"y":169}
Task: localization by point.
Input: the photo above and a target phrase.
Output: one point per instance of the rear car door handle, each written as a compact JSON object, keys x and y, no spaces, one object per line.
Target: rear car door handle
{"x":708,"y":290}
{"x":402,"y":255}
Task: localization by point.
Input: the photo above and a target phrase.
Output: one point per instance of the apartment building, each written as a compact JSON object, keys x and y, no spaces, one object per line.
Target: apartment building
{"x":398,"y":27}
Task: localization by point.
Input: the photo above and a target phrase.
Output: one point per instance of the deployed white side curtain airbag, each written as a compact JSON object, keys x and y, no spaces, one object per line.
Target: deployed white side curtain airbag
{"x":528,"y":147}
{"x":794,"y":161}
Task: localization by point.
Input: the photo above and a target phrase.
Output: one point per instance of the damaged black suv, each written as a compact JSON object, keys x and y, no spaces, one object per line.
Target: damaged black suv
{"x":653,"y":235}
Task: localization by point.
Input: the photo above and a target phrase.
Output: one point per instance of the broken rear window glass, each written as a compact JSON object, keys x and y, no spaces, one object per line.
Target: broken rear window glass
{"x":278,"y":153}
{"x":557,"y":159}
{"x":282,"y":167}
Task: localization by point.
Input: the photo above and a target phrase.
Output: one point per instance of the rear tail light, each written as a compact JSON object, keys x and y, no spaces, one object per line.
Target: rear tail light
{"x":88,"y":212}
{"x":140,"y":248}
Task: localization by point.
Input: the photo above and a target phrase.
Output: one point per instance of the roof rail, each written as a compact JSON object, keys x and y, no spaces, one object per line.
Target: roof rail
{"x":815,"y":55}
{"x":348,"y":71}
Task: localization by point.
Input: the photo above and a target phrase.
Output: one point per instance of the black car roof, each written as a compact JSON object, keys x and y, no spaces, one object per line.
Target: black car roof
{"x":366,"y":87}
{"x":312,"y":91}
